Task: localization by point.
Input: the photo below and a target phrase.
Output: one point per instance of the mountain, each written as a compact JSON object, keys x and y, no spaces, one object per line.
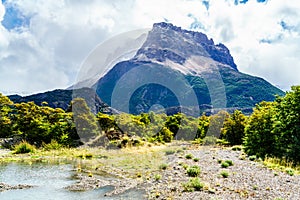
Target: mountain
{"x":62,"y":98}
{"x":174,"y":70}
{"x":177,"y":70}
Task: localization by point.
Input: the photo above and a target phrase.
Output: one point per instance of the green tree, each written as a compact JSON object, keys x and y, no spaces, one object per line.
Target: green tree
{"x":62,"y":127}
{"x":260,"y":139}
{"x":203,"y":126}
{"x":234,"y":128}
{"x":216,"y":123}
{"x":106,"y":122}
{"x":31,"y":123}
{"x":287,"y":124}
{"x":85,"y":120}
{"x":188,"y":128}
{"x":173,"y":122}
{"x":164,"y":135}
{"x":5,"y":120}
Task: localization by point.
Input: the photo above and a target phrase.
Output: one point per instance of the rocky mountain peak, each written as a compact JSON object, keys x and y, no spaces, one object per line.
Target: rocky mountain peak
{"x":166,"y":41}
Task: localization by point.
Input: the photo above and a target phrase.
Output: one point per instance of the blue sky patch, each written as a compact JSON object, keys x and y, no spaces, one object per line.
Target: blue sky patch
{"x":206,"y":4}
{"x":13,"y":18}
{"x":244,"y":1}
{"x":237,"y":2}
{"x":261,"y":1}
{"x":286,"y":26}
{"x":196,"y":25}
{"x":271,"y":40}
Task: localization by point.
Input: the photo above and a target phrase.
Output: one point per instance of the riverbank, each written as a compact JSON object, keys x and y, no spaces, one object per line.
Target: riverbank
{"x":162,"y":172}
{"x":245,"y":179}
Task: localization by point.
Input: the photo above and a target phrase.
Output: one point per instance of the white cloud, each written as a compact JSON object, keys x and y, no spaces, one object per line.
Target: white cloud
{"x":48,"y":53}
{"x":250,"y":23}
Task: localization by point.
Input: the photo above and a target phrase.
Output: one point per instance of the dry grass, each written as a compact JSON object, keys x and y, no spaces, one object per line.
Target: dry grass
{"x":129,"y":161}
{"x":281,"y":164}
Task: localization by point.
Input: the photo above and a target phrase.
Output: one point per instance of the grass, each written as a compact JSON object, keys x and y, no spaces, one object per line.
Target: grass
{"x":163,"y":166}
{"x":230,"y":163}
{"x":224,"y":174}
{"x":170,"y":151}
{"x":52,"y":145}
{"x":193,"y":171}
{"x":252,"y":158}
{"x":24,"y":147}
{"x":189,"y":156}
{"x":224,"y":165}
{"x":237,"y":148}
{"x":194,"y":184}
{"x":126,"y":161}
{"x":184,"y":166}
{"x":290,"y":172}
{"x":157,"y":177}
{"x":173,"y":149}
{"x":209,"y":140}
{"x":282,"y":165}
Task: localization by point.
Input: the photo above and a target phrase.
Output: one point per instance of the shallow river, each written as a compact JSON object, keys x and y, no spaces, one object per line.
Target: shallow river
{"x":49,"y":182}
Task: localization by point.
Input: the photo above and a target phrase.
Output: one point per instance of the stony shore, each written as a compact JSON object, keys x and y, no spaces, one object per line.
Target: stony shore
{"x":246,"y":179}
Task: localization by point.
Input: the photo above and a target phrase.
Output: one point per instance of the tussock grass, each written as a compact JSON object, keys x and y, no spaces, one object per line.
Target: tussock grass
{"x":24,"y":147}
{"x":281,"y":165}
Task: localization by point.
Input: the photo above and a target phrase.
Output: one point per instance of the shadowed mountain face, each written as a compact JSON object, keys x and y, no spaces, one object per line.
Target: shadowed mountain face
{"x":175,"y":66}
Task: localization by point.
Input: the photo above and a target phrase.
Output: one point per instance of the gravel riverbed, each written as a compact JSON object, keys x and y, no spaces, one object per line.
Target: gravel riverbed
{"x":247,"y":179}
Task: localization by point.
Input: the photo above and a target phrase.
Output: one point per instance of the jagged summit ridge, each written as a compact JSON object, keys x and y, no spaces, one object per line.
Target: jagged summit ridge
{"x":166,"y":41}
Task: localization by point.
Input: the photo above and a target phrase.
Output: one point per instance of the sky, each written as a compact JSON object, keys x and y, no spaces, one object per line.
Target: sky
{"x":43,"y":43}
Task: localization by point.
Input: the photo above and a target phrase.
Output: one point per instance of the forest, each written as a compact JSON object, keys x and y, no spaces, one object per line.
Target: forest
{"x":272,"y":130}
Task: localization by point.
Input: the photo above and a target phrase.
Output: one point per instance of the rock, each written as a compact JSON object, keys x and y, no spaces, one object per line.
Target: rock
{"x":166,"y":41}
{"x":4,"y":187}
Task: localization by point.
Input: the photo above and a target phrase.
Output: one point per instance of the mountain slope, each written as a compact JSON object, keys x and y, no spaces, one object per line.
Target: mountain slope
{"x":62,"y":99}
{"x":208,"y":69}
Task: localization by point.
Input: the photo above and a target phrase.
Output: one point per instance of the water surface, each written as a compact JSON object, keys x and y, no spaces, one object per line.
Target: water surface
{"x":49,"y":181}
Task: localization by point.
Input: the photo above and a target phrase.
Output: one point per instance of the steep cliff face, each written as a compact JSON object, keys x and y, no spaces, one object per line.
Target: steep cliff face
{"x":170,"y":54}
{"x":166,"y":41}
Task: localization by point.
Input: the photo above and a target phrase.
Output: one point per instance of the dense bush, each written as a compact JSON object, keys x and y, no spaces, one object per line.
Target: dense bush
{"x":36,"y":124}
{"x":24,"y":147}
{"x":259,"y":138}
{"x":234,"y":126}
{"x":5,"y":121}
{"x":273,"y":129}
{"x":287,"y":125}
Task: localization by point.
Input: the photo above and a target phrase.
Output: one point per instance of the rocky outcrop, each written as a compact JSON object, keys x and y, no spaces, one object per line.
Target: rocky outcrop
{"x":4,"y":187}
{"x":166,"y":41}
